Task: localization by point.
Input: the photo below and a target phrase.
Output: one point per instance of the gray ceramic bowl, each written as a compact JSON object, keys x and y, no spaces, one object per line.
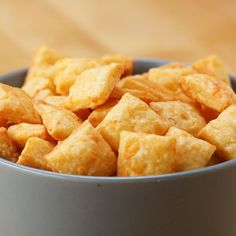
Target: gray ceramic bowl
{"x":40,"y":203}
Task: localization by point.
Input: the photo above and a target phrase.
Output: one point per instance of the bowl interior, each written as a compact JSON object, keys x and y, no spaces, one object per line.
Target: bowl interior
{"x":16,"y":78}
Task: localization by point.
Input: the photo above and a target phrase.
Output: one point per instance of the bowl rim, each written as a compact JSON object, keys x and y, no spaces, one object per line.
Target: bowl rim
{"x":115,"y":179}
{"x":119,"y":180}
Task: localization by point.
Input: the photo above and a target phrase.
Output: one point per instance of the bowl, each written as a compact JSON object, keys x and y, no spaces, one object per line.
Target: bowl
{"x":40,"y":203}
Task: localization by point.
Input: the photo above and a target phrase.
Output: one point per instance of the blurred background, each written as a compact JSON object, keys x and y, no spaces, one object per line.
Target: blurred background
{"x":171,"y":29}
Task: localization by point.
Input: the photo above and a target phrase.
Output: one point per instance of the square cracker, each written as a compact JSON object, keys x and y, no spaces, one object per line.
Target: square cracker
{"x":20,"y":133}
{"x":40,"y":71}
{"x":41,"y":95}
{"x":208,"y":91}
{"x":191,"y":152}
{"x":221,"y":132}
{"x":130,"y":114}
{"x":99,"y":113}
{"x":33,"y":155}
{"x":62,"y":101}
{"x":167,"y":78}
{"x":8,"y":149}
{"x":59,"y":121}
{"x":145,"y":154}
{"x":59,"y":101}
{"x":36,"y":85}
{"x":145,"y":96}
{"x":16,"y":106}
{"x":127,"y":62}
{"x":68,"y":69}
{"x":213,"y":66}
{"x":84,"y":152}
{"x":43,"y":63}
{"x":46,"y":56}
{"x":139,"y":86}
{"x":94,"y":86}
{"x":181,"y":115}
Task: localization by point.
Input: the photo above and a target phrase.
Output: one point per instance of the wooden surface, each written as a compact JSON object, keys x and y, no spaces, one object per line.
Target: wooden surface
{"x":180,"y":30}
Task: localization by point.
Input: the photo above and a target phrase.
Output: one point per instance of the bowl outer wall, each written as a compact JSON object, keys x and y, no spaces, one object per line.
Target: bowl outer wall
{"x":193,"y":203}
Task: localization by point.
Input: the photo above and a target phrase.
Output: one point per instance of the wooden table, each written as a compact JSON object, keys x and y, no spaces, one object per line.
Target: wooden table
{"x":180,"y":30}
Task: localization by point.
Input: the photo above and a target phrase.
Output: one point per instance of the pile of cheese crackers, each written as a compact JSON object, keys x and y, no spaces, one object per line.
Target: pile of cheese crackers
{"x":93,"y":116}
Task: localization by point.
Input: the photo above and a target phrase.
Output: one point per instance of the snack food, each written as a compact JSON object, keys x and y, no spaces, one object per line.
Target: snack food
{"x":8,"y":149}
{"x":20,"y":133}
{"x":221,"y":132}
{"x":43,"y":62}
{"x":130,"y":114}
{"x":67,"y":71}
{"x":167,"y":78}
{"x":125,"y":61}
{"x":63,"y":122}
{"x":60,"y":101}
{"x":33,"y":155}
{"x":213,"y":66}
{"x":99,"y":113}
{"x":95,"y":86}
{"x":3,"y":123}
{"x":190,"y":153}
{"x":181,"y":115}
{"x":16,"y":106}
{"x":145,"y":154}
{"x":34,"y":86}
{"x":207,"y":90}
{"x":84,"y":152}
{"x":95,"y":117}
{"x":41,"y":95}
